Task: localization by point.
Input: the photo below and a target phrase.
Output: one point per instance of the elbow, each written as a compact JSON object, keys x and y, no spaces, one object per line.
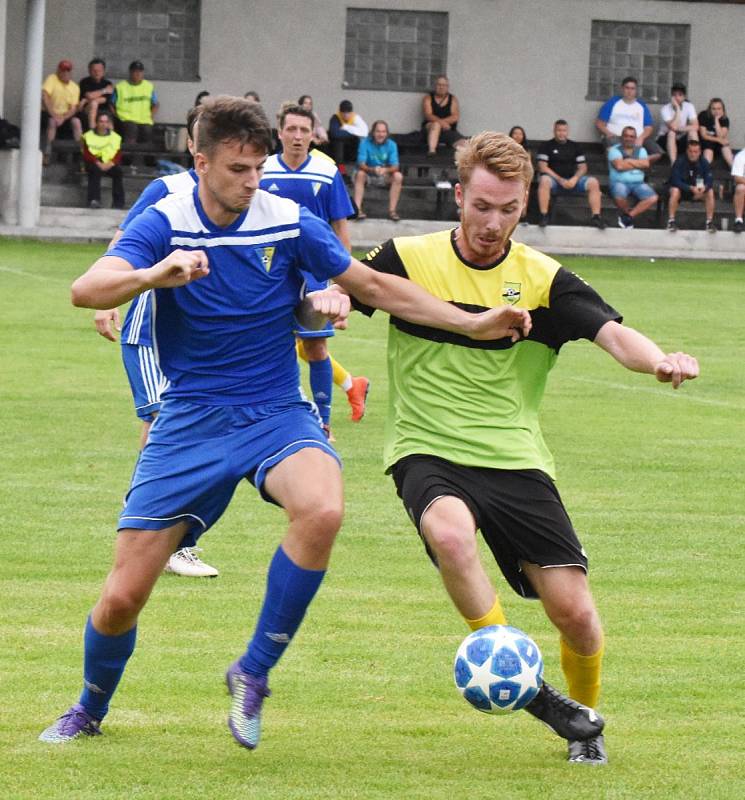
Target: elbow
{"x":78,"y":296}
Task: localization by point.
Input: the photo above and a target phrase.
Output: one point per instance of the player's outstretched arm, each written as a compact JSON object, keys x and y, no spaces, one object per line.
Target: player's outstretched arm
{"x":112,"y":281}
{"x":404,"y":299}
{"x":640,"y":354}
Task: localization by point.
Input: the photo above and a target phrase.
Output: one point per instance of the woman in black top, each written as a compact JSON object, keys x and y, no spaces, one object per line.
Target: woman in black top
{"x":714,"y":131}
{"x":441,"y":114}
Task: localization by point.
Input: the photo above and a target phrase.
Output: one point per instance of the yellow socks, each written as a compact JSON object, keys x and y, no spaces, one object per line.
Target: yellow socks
{"x":582,"y":674}
{"x":493,"y":617}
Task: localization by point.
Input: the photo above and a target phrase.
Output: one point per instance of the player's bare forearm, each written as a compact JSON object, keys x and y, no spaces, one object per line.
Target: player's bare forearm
{"x":112,"y":281}
{"x":638,"y":353}
{"x":404,"y":299}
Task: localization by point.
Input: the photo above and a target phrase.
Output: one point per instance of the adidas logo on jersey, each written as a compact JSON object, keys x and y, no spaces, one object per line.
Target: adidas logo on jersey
{"x":273,"y":188}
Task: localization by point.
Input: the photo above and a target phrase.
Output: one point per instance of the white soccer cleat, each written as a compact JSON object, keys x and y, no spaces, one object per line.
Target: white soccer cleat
{"x":186,"y":562}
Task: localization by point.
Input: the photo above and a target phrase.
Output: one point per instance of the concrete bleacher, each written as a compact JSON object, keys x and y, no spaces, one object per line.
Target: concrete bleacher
{"x":421,"y":199}
{"x":427,"y":191}
{"x":64,"y":180}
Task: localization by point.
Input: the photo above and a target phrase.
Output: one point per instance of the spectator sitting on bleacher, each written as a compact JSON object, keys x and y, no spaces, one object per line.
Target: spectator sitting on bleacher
{"x":95,"y":91}
{"x":627,"y":109}
{"x":377,"y":161}
{"x":517,"y":134}
{"x":60,"y":97}
{"x":626,"y":165}
{"x":320,"y":135}
{"x":441,"y":112}
{"x":345,"y":131}
{"x":102,"y":154}
{"x":713,"y":128}
{"x":679,"y":122}
{"x":691,"y":179}
{"x":135,"y":102}
{"x":563,"y":170}
{"x":738,"y":174}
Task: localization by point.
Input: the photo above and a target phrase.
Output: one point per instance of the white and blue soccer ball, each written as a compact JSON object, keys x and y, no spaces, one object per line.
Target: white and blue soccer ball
{"x":498,"y":669}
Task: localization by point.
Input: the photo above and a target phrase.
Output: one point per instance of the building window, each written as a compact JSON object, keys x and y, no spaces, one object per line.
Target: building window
{"x":395,"y":51}
{"x":656,"y":54}
{"x":163,"y":34}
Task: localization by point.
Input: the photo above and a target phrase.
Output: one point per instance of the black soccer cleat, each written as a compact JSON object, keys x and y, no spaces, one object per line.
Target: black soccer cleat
{"x":564,"y":716}
{"x":588,"y":751}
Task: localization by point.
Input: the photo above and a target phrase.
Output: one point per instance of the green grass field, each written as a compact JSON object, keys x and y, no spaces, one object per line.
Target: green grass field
{"x":363,"y":703}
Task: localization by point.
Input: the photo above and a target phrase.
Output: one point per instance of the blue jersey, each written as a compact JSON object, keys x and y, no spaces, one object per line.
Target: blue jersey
{"x":315,"y":184}
{"x":138,"y":321}
{"x":227,"y":339}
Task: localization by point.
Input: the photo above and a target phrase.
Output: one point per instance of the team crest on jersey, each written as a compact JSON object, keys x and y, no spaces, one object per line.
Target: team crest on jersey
{"x":316,"y":187}
{"x":511,"y":293}
{"x":267,"y":254}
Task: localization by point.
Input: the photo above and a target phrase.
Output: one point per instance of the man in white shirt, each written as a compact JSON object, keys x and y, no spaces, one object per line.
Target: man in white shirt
{"x":738,"y":173}
{"x":627,"y":109}
{"x":679,"y":122}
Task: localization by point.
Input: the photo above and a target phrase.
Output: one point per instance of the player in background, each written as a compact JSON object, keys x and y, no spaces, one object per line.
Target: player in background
{"x":146,"y":380}
{"x":313,"y":180}
{"x":226,"y":264}
{"x":480,"y":461}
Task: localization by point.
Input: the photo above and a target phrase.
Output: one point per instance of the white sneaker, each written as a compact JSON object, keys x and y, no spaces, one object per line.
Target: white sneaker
{"x":186,"y":562}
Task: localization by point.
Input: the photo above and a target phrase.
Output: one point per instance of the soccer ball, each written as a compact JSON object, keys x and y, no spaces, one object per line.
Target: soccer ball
{"x":498,"y":669}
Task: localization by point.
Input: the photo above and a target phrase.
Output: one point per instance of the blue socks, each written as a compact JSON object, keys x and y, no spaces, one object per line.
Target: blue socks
{"x":289,"y":592}
{"x":105,"y":659}
{"x":321,"y":385}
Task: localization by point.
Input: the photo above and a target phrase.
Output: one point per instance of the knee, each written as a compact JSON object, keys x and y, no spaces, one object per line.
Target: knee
{"x":578,"y":619}
{"x":397,"y":179}
{"x":453,"y":546}
{"x":544,"y":182}
{"x":320,"y":523}
{"x":592,"y":184}
{"x":360,"y":178}
{"x":119,"y":604}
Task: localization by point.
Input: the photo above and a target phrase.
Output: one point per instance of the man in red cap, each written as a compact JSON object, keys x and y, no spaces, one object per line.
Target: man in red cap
{"x":60,"y":97}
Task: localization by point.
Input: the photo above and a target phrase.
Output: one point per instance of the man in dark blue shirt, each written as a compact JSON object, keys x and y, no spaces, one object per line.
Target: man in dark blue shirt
{"x":691,"y":179}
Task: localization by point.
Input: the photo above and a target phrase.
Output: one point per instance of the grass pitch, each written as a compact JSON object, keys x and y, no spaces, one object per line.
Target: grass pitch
{"x":363,"y":703}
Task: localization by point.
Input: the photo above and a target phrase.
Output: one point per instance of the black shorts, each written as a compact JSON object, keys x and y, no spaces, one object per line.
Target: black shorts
{"x":519,"y":512}
{"x":715,"y":147}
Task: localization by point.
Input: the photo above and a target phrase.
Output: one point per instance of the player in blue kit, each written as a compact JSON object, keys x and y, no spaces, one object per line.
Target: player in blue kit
{"x":313,"y":180}
{"x":225,"y":263}
{"x":146,"y":380}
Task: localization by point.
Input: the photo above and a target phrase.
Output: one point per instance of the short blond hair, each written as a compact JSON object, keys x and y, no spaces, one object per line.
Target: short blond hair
{"x":497,"y":153}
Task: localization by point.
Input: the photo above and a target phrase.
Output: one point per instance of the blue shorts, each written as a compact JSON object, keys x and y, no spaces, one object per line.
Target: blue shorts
{"x":580,"y":187}
{"x":314,"y":285}
{"x":145,"y":379}
{"x":641,"y":191}
{"x":196,"y":456}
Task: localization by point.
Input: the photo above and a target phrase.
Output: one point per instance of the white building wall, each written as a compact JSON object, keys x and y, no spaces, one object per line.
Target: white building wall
{"x":509,"y":61}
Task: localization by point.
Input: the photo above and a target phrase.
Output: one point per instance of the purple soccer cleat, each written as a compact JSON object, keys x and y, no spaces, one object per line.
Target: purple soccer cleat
{"x":248,"y":693}
{"x":72,"y":724}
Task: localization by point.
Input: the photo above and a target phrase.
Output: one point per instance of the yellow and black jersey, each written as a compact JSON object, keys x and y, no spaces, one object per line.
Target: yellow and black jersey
{"x":473,"y":402}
